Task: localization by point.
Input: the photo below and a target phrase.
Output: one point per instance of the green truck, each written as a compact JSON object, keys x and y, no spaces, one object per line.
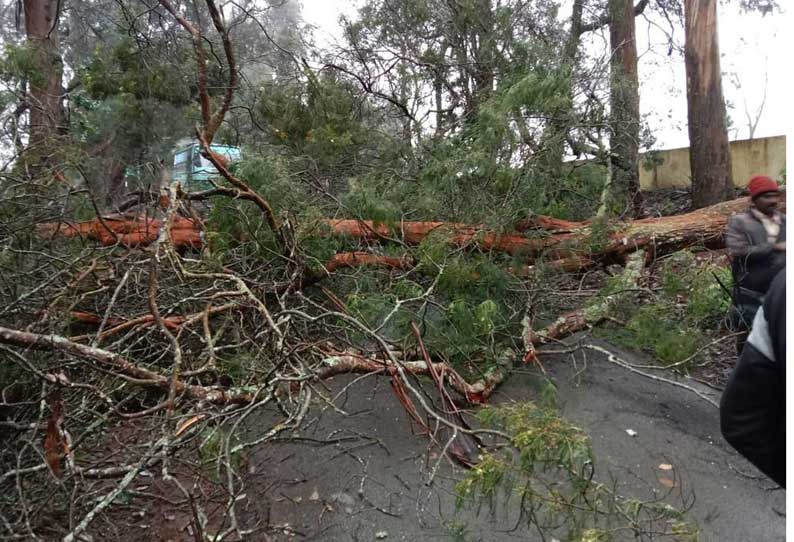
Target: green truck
{"x":194,"y":171}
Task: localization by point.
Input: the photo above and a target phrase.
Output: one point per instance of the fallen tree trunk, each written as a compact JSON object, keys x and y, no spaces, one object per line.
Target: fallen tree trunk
{"x":568,"y":245}
{"x":128,"y":231}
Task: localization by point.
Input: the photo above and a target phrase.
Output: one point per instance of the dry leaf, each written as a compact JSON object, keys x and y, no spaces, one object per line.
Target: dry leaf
{"x":667,"y":482}
{"x":187,"y":424}
{"x":55,"y":445}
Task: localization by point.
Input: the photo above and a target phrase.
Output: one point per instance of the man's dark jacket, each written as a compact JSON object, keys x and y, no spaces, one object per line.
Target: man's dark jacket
{"x":753,"y":406}
{"x":754,"y":260}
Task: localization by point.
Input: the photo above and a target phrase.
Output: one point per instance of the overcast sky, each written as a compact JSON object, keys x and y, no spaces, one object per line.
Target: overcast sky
{"x":753,"y":48}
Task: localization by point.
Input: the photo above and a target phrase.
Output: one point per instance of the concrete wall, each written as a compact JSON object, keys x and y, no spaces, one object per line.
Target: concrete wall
{"x":760,"y":156}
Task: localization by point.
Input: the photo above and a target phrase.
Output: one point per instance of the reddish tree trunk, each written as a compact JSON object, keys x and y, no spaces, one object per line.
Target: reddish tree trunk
{"x":709,"y":150}
{"x":571,"y":245}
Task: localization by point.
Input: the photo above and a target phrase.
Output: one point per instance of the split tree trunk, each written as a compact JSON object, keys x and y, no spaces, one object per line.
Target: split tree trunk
{"x":709,"y":150}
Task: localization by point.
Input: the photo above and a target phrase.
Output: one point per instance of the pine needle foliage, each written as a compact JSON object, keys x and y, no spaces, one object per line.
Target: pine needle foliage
{"x":549,"y":470}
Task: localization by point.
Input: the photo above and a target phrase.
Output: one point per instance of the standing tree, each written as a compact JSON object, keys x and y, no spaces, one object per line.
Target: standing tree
{"x":625,"y":106}
{"x":45,"y":91}
{"x":709,"y":150}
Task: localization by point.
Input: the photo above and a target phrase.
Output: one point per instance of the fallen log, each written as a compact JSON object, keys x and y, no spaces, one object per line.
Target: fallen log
{"x":475,"y":393}
{"x":127,"y":231}
{"x":570,"y":245}
{"x":565,"y":241}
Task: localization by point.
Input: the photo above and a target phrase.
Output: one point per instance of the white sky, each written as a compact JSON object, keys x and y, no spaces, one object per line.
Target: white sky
{"x":752,"y":47}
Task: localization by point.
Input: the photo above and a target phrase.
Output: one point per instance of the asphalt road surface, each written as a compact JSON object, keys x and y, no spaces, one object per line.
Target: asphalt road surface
{"x":364,"y":475}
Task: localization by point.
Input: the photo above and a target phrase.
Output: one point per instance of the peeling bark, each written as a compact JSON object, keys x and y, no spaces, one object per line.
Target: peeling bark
{"x":709,"y":150}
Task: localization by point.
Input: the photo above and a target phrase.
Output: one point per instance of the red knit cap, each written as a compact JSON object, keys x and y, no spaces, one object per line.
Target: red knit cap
{"x":760,"y":184}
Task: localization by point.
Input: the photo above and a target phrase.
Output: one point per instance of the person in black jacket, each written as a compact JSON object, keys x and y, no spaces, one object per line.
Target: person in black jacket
{"x":756,"y":241}
{"x":753,"y":405}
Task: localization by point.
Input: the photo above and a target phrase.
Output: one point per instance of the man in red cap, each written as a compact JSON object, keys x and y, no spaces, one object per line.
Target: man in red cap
{"x":756,"y":241}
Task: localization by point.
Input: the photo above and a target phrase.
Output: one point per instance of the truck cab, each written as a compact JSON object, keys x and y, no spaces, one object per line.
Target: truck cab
{"x":194,"y":171}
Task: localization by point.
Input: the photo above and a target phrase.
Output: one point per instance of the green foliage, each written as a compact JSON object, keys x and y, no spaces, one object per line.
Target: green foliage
{"x":322,"y":123}
{"x":699,"y":285}
{"x":473,"y":316}
{"x":478,"y":321}
{"x":653,"y":329}
{"x":600,"y":230}
{"x":542,"y":437}
{"x":676,"y":324}
{"x":548,"y":472}
{"x":232,"y":224}
{"x":19,"y":62}
{"x":125,"y":69}
{"x":708,"y":302}
{"x":367,"y":203}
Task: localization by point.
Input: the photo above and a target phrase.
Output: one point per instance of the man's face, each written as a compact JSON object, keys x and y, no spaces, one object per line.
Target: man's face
{"x":767,"y":202}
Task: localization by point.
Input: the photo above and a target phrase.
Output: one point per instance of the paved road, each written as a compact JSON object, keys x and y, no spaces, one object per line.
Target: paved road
{"x":363,"y":476}
{"x":733,"y":501}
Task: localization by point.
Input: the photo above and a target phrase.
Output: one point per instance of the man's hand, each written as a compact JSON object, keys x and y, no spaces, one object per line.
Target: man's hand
{"x":781,"y":246}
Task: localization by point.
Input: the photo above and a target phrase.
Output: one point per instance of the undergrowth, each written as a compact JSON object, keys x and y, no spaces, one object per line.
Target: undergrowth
{"x":679,"y":317}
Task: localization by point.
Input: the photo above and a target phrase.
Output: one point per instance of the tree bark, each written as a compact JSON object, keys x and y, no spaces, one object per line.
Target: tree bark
{"x":570,"y":245}
{"x":625,"y":108}
{"x":45,"y":89}
{"x":709,"y":150}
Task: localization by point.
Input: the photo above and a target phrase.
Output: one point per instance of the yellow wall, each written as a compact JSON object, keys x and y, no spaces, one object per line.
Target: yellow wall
{"x":760,"y":156}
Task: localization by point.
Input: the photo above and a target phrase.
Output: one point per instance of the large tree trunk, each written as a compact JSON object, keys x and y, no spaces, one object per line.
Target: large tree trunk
{"x":709,"y":150}
{"x":624,"y":101}
{"x":45,"y":91}
{"x":566,"y":244}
